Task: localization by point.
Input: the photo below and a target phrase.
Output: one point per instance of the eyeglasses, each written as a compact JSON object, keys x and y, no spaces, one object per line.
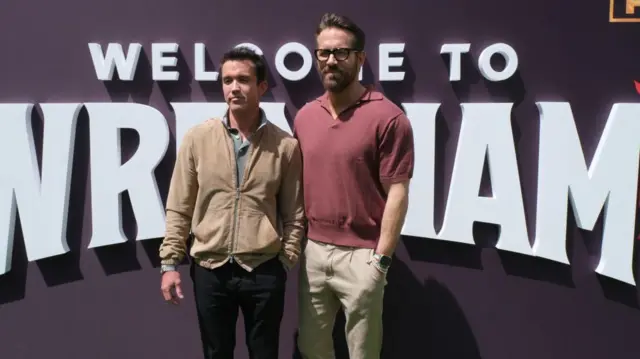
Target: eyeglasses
{"x":340,"y":54}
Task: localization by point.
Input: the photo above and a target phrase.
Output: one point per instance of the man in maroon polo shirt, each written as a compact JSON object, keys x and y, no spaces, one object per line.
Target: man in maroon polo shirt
{"x":358,"y":156}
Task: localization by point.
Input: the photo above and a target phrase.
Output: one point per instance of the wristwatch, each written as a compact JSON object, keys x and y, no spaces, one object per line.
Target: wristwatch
{"x":383,"y":261}
{"x":167,"y":268}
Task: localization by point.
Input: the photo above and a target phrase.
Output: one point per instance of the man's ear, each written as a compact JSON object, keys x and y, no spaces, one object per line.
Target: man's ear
{"x":263,"y":87}
{"x":362,"y":57}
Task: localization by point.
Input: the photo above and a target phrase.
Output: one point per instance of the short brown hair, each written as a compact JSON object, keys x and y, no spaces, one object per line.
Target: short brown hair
{"x":245,"y":53}
{"x":331,"y":20}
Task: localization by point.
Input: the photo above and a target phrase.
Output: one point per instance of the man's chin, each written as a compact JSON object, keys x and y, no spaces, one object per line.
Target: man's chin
{"x":334,"y":87}
{"x":237,"y":106}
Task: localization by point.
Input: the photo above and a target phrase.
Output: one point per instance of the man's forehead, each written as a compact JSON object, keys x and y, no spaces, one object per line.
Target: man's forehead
{"x":333,"y":37}
{"x":237,"y":67}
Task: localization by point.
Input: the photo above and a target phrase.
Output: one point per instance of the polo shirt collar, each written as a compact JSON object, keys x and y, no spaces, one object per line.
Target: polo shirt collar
{"x":370,"y":94}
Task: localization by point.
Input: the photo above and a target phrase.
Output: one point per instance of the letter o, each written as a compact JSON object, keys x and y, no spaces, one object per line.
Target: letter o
{"x":510,"y":58}
{"x":289,"y":48}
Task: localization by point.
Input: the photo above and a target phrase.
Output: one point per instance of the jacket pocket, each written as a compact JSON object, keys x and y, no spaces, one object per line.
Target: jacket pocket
{"x":213,"y":233}
{"x":258,"y":234}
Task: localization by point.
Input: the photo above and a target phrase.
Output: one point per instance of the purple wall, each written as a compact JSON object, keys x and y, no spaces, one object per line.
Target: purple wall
{"x":443,"y":300}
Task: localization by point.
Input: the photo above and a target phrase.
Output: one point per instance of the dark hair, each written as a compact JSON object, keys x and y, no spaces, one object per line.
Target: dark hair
{"x":331,"y":20}
{"x":245,"y":53}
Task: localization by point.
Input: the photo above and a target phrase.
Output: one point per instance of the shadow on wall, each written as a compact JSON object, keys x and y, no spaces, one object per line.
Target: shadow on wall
{"x":619,"y":292}
{"x":421,"y":320}
{"x":14,"y":283}
{"x":424,"y":320}
{"x":532,"y":268}
{"x":612,"y":289}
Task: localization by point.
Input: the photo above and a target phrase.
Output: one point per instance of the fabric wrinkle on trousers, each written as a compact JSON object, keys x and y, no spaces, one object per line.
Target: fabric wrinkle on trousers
{"x":221,"y":292}
{"x":334,"y":277}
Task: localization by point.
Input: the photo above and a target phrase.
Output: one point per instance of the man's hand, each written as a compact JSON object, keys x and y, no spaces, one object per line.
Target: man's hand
{"x":171,"y":289}
{"x":376,"y":264}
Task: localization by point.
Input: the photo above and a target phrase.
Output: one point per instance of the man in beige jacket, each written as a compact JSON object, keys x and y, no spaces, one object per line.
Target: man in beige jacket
{"x":236,"y":187}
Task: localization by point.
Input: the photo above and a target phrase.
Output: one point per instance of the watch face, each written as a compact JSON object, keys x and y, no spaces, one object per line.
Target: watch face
{"x":385,"y":261}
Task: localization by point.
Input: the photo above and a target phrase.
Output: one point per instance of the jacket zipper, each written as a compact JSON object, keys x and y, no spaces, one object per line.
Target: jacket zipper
{"x":234,"y":240}
{"x":235,"y":221}
{"x":234,"y":233}
{"x":235,"y":205}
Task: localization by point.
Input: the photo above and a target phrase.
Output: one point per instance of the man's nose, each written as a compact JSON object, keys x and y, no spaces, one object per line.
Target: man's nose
{"x":332,"y":60}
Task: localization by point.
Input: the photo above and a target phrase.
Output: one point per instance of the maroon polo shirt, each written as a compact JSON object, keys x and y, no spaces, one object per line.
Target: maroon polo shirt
{"x":346,"y":161}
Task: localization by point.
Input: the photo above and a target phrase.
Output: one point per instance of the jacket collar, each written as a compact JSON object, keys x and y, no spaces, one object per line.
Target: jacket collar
{"x":263,"y":121}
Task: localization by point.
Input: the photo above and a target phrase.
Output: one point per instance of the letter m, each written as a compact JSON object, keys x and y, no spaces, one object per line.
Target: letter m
{"x":610,"y":182}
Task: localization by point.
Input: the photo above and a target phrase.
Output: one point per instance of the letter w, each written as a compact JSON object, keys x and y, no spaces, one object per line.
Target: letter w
{"x":42,"y":203}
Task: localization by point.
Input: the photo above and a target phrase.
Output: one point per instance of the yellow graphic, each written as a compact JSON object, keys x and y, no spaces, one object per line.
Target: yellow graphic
{"x":629,"y":9}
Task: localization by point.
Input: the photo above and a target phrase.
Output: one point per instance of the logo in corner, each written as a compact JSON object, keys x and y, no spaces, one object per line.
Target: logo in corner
{"x":624,"y":10}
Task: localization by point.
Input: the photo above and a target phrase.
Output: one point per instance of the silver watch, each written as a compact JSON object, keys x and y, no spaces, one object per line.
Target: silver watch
{"x":167,"y":268}
{"x":383,"y":261}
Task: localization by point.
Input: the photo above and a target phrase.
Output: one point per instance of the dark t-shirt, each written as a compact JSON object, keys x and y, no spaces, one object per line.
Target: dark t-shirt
{"x":346,"y":161}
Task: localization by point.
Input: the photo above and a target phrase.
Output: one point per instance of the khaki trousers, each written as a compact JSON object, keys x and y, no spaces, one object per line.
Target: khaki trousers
{"x":332,"y":277}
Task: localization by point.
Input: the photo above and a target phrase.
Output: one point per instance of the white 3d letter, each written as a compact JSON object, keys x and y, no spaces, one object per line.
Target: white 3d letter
{"x":455,"y":52}
{"x":611,"y":179}
{"x":307,"y":61}
{"x":510,"y":57}
{"x":42,"y":201}
{"x":200,"y":55}
{"x":114,"y":58}
{"x":486,"y":129}
{"x":386,"y":61}
{"x":109,"y":178}
{"x":159,"y":61}
{"x":419,"y":220}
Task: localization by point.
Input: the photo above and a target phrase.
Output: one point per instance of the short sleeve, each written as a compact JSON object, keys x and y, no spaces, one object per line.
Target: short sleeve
{"x":396,"y":151}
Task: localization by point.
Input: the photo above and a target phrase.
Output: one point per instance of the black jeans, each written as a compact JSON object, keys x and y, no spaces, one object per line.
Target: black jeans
{"x":259,"y":294}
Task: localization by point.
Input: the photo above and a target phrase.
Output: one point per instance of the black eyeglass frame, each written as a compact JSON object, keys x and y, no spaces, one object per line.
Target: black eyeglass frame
{"x":340,"y":53}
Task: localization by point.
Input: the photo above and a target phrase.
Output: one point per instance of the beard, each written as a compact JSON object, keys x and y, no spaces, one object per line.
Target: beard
{"x":336,"y":79}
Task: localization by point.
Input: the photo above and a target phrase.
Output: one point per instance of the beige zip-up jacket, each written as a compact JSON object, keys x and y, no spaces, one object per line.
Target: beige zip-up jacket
{"x":251,"y":224}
